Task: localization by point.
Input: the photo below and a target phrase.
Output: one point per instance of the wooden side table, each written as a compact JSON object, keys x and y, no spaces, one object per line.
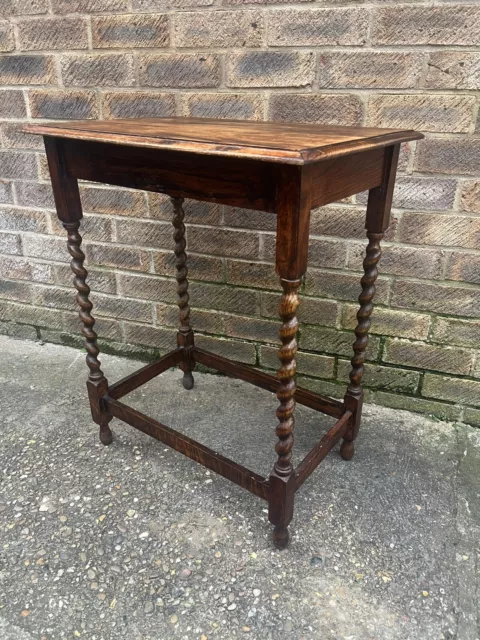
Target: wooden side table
{"x":284,"y":169}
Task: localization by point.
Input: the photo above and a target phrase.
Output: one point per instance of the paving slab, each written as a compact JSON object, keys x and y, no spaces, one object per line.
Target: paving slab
{"x":136,"y":541}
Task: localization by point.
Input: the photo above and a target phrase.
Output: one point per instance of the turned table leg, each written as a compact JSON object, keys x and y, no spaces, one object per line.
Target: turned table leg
{"x":185,"y":333}
{"x":97,"y":383}
{"x":354,"y":395}
{"x":282,"y":478}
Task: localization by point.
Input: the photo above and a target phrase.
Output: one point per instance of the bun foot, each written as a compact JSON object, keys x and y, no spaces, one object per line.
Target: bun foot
{"x":281,"y":537}
{"x":347,"y":450}
{"x":106,"y":436}
{"x":188,"y":381}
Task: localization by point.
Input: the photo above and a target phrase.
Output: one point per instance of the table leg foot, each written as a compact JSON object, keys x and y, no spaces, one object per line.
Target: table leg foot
{"x":347,"y":450}
{"x":281,"y":537}
{"x":106,"y":436}
{"x":188,"y":380}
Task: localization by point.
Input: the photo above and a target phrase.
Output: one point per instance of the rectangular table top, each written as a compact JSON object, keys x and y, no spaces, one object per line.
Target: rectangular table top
{"x":278,"y":142}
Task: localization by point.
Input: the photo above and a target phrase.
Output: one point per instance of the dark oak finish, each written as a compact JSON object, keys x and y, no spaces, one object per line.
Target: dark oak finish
{"x":284,"y":169}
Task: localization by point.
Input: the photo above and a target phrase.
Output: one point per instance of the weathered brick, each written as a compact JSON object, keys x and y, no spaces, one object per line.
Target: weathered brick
{"x":12,"y":290}
{"x":464,"y":267}
{"x":121,"y":308}
{"x":34,"y":194}
{"x":119,"y":202}
{"x":344,"y":222}
{"x":431,"y":408}
{"x":311,"y":310}
{"x":27,"y":69}
{"x":128,"y":31}
{"x":223,"y":242}
{"x":223,"y":298}
{"x":22,"y":7}
{"x":146,"y":234}
{"x":471,"y":196}
{"x":88,"y":6}
{"x":12,"y":104}
{"x":98,"y":279}
{"x":453,"y":389}
{"x":180,"y":70}
{"x":38,"y":34}
{"x":106,"y":328}
{"x":54,"y":297}
{"x":162,"y":5}
{"x":91,"y":70}
{"x":422,"y":296}
{"x":233,"y":349}
{"x":247,"y":219}
{"x":114,"y":256}
{"x":385,"y":378}
{"x":369,"y":70}
{"x":307,"y":363}
{"x":21,"y":331}
{"x":401,"y":261}
{"x":45,"y":247}
{"x":10,"y":243}
{"x":252,"y":274}
{"x":442,"y":230}
{"x":427,"y":356}
{"x":205,"y":321}
{"x":219,"y":29}
{"x":340,"y":110}
{"x":342,"y":286}
{"x":17,"y":165}
{"x":138,"y":104}
{"x":15,"y":268}
{"x":7,"y":41}
{"x":448,"y":155}
{"x":321,"y":253}
{"x":428,"y":25}
{"x":463,"y":333}
{"x":317,"y":27}
{"x":439,"y":113}
{"x":412,"y":192}
{"x":14,"y":138}
{"x":270,"y":69}
{"x":97,"y":228}
{"x":199,"y":267}
{"x":390,"y":322}
{"x":65,"y":105}
{"x":150,"y":336}
{"x":6,"y":192}
{"x":160,"y":208}
{"x":332,"y":341}
{"x":453,"y":70}
{"x":13,"y":219}
{"x":236,"y":106}
{"x":251,"y":328}
{"x":147,"y":287}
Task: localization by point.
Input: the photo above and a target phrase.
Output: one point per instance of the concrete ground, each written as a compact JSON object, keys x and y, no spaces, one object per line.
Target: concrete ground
{"x":135,"y":541}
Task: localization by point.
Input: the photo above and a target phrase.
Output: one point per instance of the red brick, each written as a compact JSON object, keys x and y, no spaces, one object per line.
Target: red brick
{"x":369,"y":70}
{"x":464,"y":267}
{"x":219,"y":29}
{"x":39,"y":34}
{"x":317,"y":27}
{"x":270,"y":69}
{"x":98,"y":279}
{"x":130,"y":31}
{"x":342,"y":110}
{"x":438,"y":113}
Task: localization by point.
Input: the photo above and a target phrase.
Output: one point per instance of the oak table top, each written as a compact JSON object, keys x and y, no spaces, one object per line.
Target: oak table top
{"x":278,"y":142}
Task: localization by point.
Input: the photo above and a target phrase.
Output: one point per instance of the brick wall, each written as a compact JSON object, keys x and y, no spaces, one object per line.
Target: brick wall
{"x":413,"y":65}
